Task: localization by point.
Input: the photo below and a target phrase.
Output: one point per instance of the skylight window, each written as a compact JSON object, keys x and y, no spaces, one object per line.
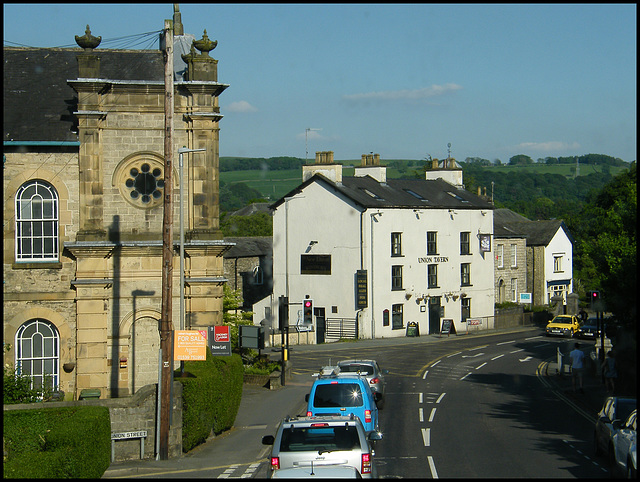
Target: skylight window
{"x":416,"y":195}
{"x":454,"y":195}
{"x":372,"y":194}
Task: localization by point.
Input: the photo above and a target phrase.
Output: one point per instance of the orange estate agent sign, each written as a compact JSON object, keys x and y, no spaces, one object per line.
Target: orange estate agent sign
{"x":190,"y":345}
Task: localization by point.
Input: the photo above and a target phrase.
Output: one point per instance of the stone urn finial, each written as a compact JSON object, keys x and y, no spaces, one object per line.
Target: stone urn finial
{"x":205,"y":45}
{"x":88,"y":41}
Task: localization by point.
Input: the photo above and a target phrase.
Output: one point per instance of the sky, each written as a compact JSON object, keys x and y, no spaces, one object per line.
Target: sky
{"x":400,"y":80}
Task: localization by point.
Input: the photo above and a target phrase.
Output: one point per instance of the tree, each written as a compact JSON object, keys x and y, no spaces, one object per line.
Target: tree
{"x":606,"y":245}
{"x":232,"y":315}
{"x":520,"y":159}
{"x":258,"y":224}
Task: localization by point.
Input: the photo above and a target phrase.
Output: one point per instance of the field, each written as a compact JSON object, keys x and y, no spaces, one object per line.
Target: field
{"x":275,"y":184}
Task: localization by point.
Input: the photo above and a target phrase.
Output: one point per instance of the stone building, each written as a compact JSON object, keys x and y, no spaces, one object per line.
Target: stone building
{"x":532,"y":256}
{"x":83,"y":180}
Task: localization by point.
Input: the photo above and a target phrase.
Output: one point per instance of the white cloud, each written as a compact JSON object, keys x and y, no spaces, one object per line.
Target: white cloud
{"x":550,"y":146}
{"x":415,"y":94}
{"x":241,"y":106}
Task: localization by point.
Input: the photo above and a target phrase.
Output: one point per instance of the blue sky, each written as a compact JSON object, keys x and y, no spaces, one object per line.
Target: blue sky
{"x":401,"y":80}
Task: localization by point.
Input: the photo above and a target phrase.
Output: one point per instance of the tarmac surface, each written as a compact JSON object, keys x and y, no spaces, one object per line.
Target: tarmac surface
{"x":251,"y":421}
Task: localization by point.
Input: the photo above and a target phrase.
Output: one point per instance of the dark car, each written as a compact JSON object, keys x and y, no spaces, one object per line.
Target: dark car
{"x":615,"y":410}
{"x":589,"y":329}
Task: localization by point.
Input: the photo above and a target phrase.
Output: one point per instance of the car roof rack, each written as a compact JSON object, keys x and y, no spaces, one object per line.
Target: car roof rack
{"x":329,"y":371}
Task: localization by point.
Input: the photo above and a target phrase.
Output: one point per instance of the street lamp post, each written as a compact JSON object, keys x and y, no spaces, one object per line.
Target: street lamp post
{"x":181,"y":151}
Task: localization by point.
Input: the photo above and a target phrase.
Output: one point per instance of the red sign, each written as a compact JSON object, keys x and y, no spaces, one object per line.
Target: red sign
{"x":221,"y":334}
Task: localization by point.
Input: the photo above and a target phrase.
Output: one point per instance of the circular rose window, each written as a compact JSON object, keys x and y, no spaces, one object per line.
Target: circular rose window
{"x":140,"y":179}
{"x":145,"y":184}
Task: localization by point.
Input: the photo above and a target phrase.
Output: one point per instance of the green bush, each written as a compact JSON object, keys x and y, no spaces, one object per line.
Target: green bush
{"x":71,"y":442}
{"x":17,"y":388}
{"x":210,"y":397}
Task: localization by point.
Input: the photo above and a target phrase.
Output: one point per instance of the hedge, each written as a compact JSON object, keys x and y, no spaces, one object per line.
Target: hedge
{"x":211,"y":395}
{"x":70,"y":442}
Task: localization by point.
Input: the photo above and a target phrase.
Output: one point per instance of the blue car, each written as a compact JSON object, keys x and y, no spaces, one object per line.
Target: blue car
{"x":335,"y":393}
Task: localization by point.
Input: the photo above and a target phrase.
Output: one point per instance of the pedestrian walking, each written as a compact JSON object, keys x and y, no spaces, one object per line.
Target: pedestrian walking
{"x":576,"y":362}
{"x":610,"y":371}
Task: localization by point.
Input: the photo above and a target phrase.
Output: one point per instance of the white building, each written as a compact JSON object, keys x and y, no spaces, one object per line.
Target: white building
{"x":374,"y":254}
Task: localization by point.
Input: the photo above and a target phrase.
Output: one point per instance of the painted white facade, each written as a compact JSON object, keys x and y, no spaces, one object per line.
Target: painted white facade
{"x":318,"y":219}
{"x":558,"y":265}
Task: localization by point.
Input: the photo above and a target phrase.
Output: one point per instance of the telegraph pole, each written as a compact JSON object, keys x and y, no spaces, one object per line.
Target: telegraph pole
{"x":166,"y":328}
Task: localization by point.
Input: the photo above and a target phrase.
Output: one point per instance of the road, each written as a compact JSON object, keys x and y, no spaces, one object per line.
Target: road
{"x":474,"y":408}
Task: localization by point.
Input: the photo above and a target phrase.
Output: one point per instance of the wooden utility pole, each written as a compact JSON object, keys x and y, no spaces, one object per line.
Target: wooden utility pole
{"x":166,"y":328}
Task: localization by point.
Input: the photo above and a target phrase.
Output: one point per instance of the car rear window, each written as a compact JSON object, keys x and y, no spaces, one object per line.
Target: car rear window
{"x":624,"y":408}
{"x":338,"y":395}
{"x":364,"y":369}
{"x":319,"y":439}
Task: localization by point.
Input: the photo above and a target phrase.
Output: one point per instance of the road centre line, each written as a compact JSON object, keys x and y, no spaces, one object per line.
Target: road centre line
{"x":465,"y":376}
{"x":435,"y":363}
{"x":426,"y":436}
{"x":533,"y":337}
{"x":424,"y":377}
{"x":516,"y":351}
{"x":432,"y":466}
{"x":496,"y":357}
{"x":478,"y":368}
{"x":454,"y":354}
{"x":505,"y":342}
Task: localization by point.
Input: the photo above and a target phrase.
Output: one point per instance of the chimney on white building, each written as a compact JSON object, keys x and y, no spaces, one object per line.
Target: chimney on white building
{"x":370,"y":166}
{"x":448,"y":170}
{"x":324,"y":165}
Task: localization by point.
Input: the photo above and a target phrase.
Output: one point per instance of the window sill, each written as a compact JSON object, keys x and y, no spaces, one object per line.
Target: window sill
{"x":37,"y":265}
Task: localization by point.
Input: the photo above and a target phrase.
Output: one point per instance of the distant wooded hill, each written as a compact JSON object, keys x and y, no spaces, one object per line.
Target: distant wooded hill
{"x":547,"y":188}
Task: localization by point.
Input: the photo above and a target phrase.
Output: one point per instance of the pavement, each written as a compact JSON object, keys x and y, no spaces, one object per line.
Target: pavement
{"x":252,"y":422}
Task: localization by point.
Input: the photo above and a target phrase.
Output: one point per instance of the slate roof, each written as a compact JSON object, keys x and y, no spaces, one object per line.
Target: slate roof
{"x":38,"y":102}
{"x":508,"y":224}
{"x":398,"y":193}
{"x":248,"y":247}
{"x":253,"y":208}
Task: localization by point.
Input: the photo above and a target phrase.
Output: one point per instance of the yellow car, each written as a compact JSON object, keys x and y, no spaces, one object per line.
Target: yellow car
{"x":563,"y":325}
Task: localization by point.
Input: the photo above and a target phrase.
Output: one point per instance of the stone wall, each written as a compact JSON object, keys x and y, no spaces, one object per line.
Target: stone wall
{"x":131,"y":414}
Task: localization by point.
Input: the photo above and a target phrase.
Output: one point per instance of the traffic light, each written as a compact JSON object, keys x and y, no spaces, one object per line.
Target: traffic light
{"x":307,"y":312}
{"x":283,"y":312}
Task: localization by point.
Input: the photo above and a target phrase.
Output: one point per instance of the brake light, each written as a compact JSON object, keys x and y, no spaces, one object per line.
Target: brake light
{"x":275,"y":463}
{"x":366,"y":464}
{"x":319,"y":424}
{"x":374,"y":380}
{"x":367,"y":416}
{"x":308,"y":414}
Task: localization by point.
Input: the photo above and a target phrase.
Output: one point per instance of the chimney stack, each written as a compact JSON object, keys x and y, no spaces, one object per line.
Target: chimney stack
{"x":371,"y":167}
{"x":324,"y":166}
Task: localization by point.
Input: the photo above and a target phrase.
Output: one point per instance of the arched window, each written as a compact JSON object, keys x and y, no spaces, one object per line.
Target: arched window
{"x":36,"y":222}
{"x":38,"y":353}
